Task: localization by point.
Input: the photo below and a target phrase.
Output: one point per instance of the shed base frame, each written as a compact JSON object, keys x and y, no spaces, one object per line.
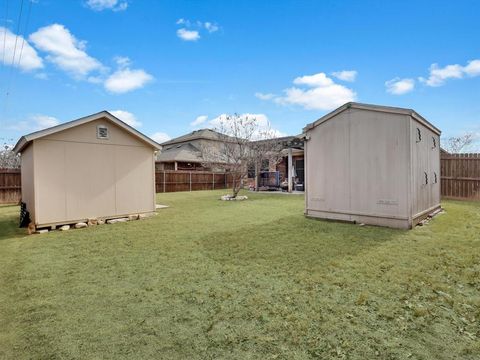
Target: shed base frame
{"x":361,"y":219}
{"x":398,"y":223}
{"x":424,"y":214}
{"x":105,"y":218}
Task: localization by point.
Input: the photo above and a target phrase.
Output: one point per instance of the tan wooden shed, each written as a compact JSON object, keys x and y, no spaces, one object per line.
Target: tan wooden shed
{"x":93,"y":167}
{"x":372,"y":164}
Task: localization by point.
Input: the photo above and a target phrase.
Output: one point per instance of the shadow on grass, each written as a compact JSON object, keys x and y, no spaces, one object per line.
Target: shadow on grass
{"x":295,"y":243}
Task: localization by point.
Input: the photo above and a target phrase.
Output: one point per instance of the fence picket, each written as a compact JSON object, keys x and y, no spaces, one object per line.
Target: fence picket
{"x":460,"y":179}
{"x":182,"y":180}
{"x":10,"y":186}
{"x":460,"y":176}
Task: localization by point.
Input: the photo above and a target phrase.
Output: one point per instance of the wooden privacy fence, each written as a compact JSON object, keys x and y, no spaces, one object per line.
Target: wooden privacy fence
{"x":165,"y":181}
{"x":460,"y":176}
{"x":171,"y":181}
{"x":460,"y":179}
{"x":10,"y":186}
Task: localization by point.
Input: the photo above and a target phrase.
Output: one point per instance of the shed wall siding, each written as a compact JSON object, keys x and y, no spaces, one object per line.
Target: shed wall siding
{"x":358,"y":165}
{"x":79,"y":176}
{"x":50,"y":181}
{"x":326,"y":157}
{"x":425,"y":160}
{"x":379,"y":163}
{"x":135,"y":186}
{"x":28,"y":195}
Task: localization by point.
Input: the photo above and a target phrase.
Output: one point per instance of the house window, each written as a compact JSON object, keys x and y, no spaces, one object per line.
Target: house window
{"x":102,"y":132}
{"x":251,"y":170}
{"x":434,"y":142}
{"x":265,"y":165}
{"x":300,"y":170}
{"x":419,"y":135}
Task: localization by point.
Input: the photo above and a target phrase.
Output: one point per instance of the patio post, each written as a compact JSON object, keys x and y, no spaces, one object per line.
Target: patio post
{"x":289,"y":172}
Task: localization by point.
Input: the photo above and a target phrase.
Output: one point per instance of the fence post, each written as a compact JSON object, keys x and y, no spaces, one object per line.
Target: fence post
{"x":164,"y":181}
{"x":213,"y":181}
{"x":190,"y":181}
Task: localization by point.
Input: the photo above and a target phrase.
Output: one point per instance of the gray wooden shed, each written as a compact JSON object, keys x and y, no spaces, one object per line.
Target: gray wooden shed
{"x":372,"y":164}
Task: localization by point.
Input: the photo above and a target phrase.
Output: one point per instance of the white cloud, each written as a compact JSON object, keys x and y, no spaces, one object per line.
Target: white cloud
{"x":323,"y":93}
{"x":263,"y":124}
{"x":472,"y":68}
{"x":211,"y":28}
{"x":263,"y":96}
{"x":188,"y":35}
{"x":126,"y":117}
{"x":190,"y":30}
{"x":183,"y":21}
{"x":68,"y":53}
{"x":122,"y":61}
{"x":44,"y":121}
{"x":438,"y":75}
{"x":64,"y":50}
{"x":316,"y":80}
{"x":29,"y":60}
{"x":160,"y":137}
{"x":99,"y":5}
{"x":199,"y":120}
{"x":399,"y":86}
{"x":125,"y":80}
{"x":35,"y":123}
{"x":345,"y":75}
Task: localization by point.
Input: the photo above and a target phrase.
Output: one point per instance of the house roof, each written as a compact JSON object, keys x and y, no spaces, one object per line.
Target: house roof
{"x":181,"y":152}
{"x":25,"y":140}
{"x":207,"y":134}
{"x":379,"y":108}
{"x":292,"y":141}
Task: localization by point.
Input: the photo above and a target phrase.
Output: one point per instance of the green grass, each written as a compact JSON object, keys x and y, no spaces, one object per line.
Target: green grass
{"x":207,"y":279}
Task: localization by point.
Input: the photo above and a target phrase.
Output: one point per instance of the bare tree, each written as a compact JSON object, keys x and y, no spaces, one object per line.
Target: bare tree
{"x":458,"y":144}
{"x":266,"y":148}
{"x":8,"y":159}
{"x":238,"y":147}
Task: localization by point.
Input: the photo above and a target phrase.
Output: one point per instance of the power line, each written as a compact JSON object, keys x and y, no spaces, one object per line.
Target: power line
{"x":25,"y":29}
{"x":7,"y":93}
{"x":16,"y":36}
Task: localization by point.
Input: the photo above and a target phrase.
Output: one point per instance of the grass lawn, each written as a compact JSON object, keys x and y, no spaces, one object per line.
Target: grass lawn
{"x":207,"y":279}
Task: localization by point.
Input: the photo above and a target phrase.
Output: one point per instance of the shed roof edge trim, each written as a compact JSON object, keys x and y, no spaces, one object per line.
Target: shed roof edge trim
{"x":380,"y":108}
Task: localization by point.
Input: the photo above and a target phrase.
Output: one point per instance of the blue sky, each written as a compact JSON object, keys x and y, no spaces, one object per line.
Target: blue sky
{"x":163,"y":65}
